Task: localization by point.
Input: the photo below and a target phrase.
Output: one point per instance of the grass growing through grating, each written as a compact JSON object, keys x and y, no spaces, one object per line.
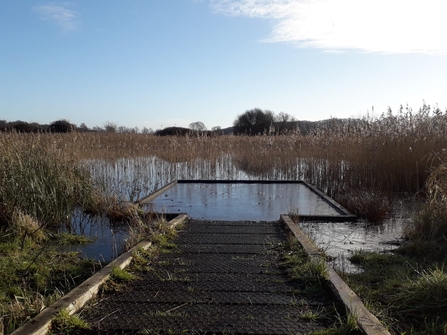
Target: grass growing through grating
{"x":66,"y":324}
{"x":312,"y":273}
{"x":302,"y":267}
{"x":360,"y":163}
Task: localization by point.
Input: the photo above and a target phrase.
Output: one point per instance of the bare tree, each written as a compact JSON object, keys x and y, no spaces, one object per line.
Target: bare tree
{"x":200,"y":126}
{"x":284,"y":123}
{"x":83,"y":127}
{"x":146,"y":130}
{"x":111,"y":127}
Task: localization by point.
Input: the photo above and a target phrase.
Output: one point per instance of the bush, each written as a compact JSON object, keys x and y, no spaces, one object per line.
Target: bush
{"x":61,"y":126}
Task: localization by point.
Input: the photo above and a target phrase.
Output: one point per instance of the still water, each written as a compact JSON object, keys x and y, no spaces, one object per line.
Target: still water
{"x":235,"y":201}
{"x":133,"y":179}
{"x":108,"y":239}
{"x":340,"y":240}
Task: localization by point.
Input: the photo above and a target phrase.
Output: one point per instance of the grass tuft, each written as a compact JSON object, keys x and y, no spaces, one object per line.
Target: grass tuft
{"x":423,"y":297}
{"x":121,"y":275}
{"x":66,"y":324}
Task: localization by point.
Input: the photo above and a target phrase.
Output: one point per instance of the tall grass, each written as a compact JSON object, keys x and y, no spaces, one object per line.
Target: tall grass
{"x":39,"y":188}
{"x":368,"y":159}
{"x":429,"y":230}
{"x":410,"y":285}
{"x":39,"y":182}
{"x":361,"y":163}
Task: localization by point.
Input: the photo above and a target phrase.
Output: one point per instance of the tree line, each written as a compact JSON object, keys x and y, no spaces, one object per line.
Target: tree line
{"x":64,"y":126}
{"x":252,"y":122}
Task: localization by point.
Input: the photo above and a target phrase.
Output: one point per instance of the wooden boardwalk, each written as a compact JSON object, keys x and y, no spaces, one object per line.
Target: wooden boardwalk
{"x":223,"y":277}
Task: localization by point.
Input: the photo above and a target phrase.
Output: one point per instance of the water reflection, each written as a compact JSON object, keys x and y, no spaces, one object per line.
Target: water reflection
{"x":131,"y":179}
{"x":134,"y":178}
{"x":340,"y":240}
{"x":108,"y":239}
{"x":241,"y":201}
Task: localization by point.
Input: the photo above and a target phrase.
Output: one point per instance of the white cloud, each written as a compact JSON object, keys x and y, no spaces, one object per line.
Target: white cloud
{"x":382,"y":26}
{"x":59,"y":14}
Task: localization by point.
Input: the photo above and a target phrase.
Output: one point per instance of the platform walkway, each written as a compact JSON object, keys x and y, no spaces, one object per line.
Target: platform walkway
{"x":223,"y":277}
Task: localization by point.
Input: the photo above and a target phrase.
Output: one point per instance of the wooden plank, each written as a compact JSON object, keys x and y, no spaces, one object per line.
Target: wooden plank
{"x":368,"y":323}
{"x":74,"y":300}
{"x":155,"y":194}
{"x":343,"y":211}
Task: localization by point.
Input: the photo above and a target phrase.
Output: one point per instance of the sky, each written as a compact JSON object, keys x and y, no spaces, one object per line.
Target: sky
{"x":160,"y":63}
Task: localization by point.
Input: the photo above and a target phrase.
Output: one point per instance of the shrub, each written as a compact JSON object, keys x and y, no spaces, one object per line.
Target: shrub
{"x":61,"y":126}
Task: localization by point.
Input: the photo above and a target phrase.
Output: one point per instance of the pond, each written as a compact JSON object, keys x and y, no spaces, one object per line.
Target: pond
{"x":242,"y":200}
{"x":340,"y":240}
{"x":134,"y":179}
{"x":108,"y":238}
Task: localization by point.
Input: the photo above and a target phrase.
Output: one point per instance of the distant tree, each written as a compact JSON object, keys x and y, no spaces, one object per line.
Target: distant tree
{"x":200,"y":126}
{"x":284,"y":117}
{"x":3,"y":125}
{"x":174,"y":131}
{"x":61,"y":126}
{"x":98,"y":129}
{"x":255,"y":122}
{"x":21,"y":127}
{"x":83,"y":127}
{"x":36,"y":127}
{"x":110,"y":127}
{"x":216,"y":128}
{"x":121,"y":130}
{"x":147,"y":131}
{"x":284,"y":122}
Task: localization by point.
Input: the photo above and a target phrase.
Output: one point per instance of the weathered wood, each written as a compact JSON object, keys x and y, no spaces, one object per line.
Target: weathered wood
{"x":155,"y":194}
{"x":367,"y":322}
{"x":80,"y":295}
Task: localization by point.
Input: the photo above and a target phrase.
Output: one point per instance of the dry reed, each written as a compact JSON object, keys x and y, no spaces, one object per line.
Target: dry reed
{"x":382,"y":156}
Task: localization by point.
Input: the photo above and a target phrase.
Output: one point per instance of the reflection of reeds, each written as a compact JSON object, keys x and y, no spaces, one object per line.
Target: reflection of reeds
{"x":384,"y":156}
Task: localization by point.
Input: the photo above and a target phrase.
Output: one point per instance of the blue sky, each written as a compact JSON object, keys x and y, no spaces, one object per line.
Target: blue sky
{"x":159,"y":63}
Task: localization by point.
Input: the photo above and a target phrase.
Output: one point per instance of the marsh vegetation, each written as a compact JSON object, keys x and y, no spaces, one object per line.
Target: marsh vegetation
{"x":364,"y":164}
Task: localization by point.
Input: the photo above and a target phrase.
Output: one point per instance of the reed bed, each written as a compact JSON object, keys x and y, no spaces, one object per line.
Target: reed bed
{"x":363,"y":164}
{"x":39,"y":187}
{"x":348,"y":160}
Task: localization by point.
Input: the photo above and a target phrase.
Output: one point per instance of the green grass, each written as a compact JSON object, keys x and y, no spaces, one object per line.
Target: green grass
{"x":33,"y":276}
{"x":312,"y":274}
{"x":66,"y":324}
{"x":41,"y":183}
{"x":66,"y":239}
{"x":407,"y":295}
{"x":121,"y":275}
{"x":301,"y":267}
